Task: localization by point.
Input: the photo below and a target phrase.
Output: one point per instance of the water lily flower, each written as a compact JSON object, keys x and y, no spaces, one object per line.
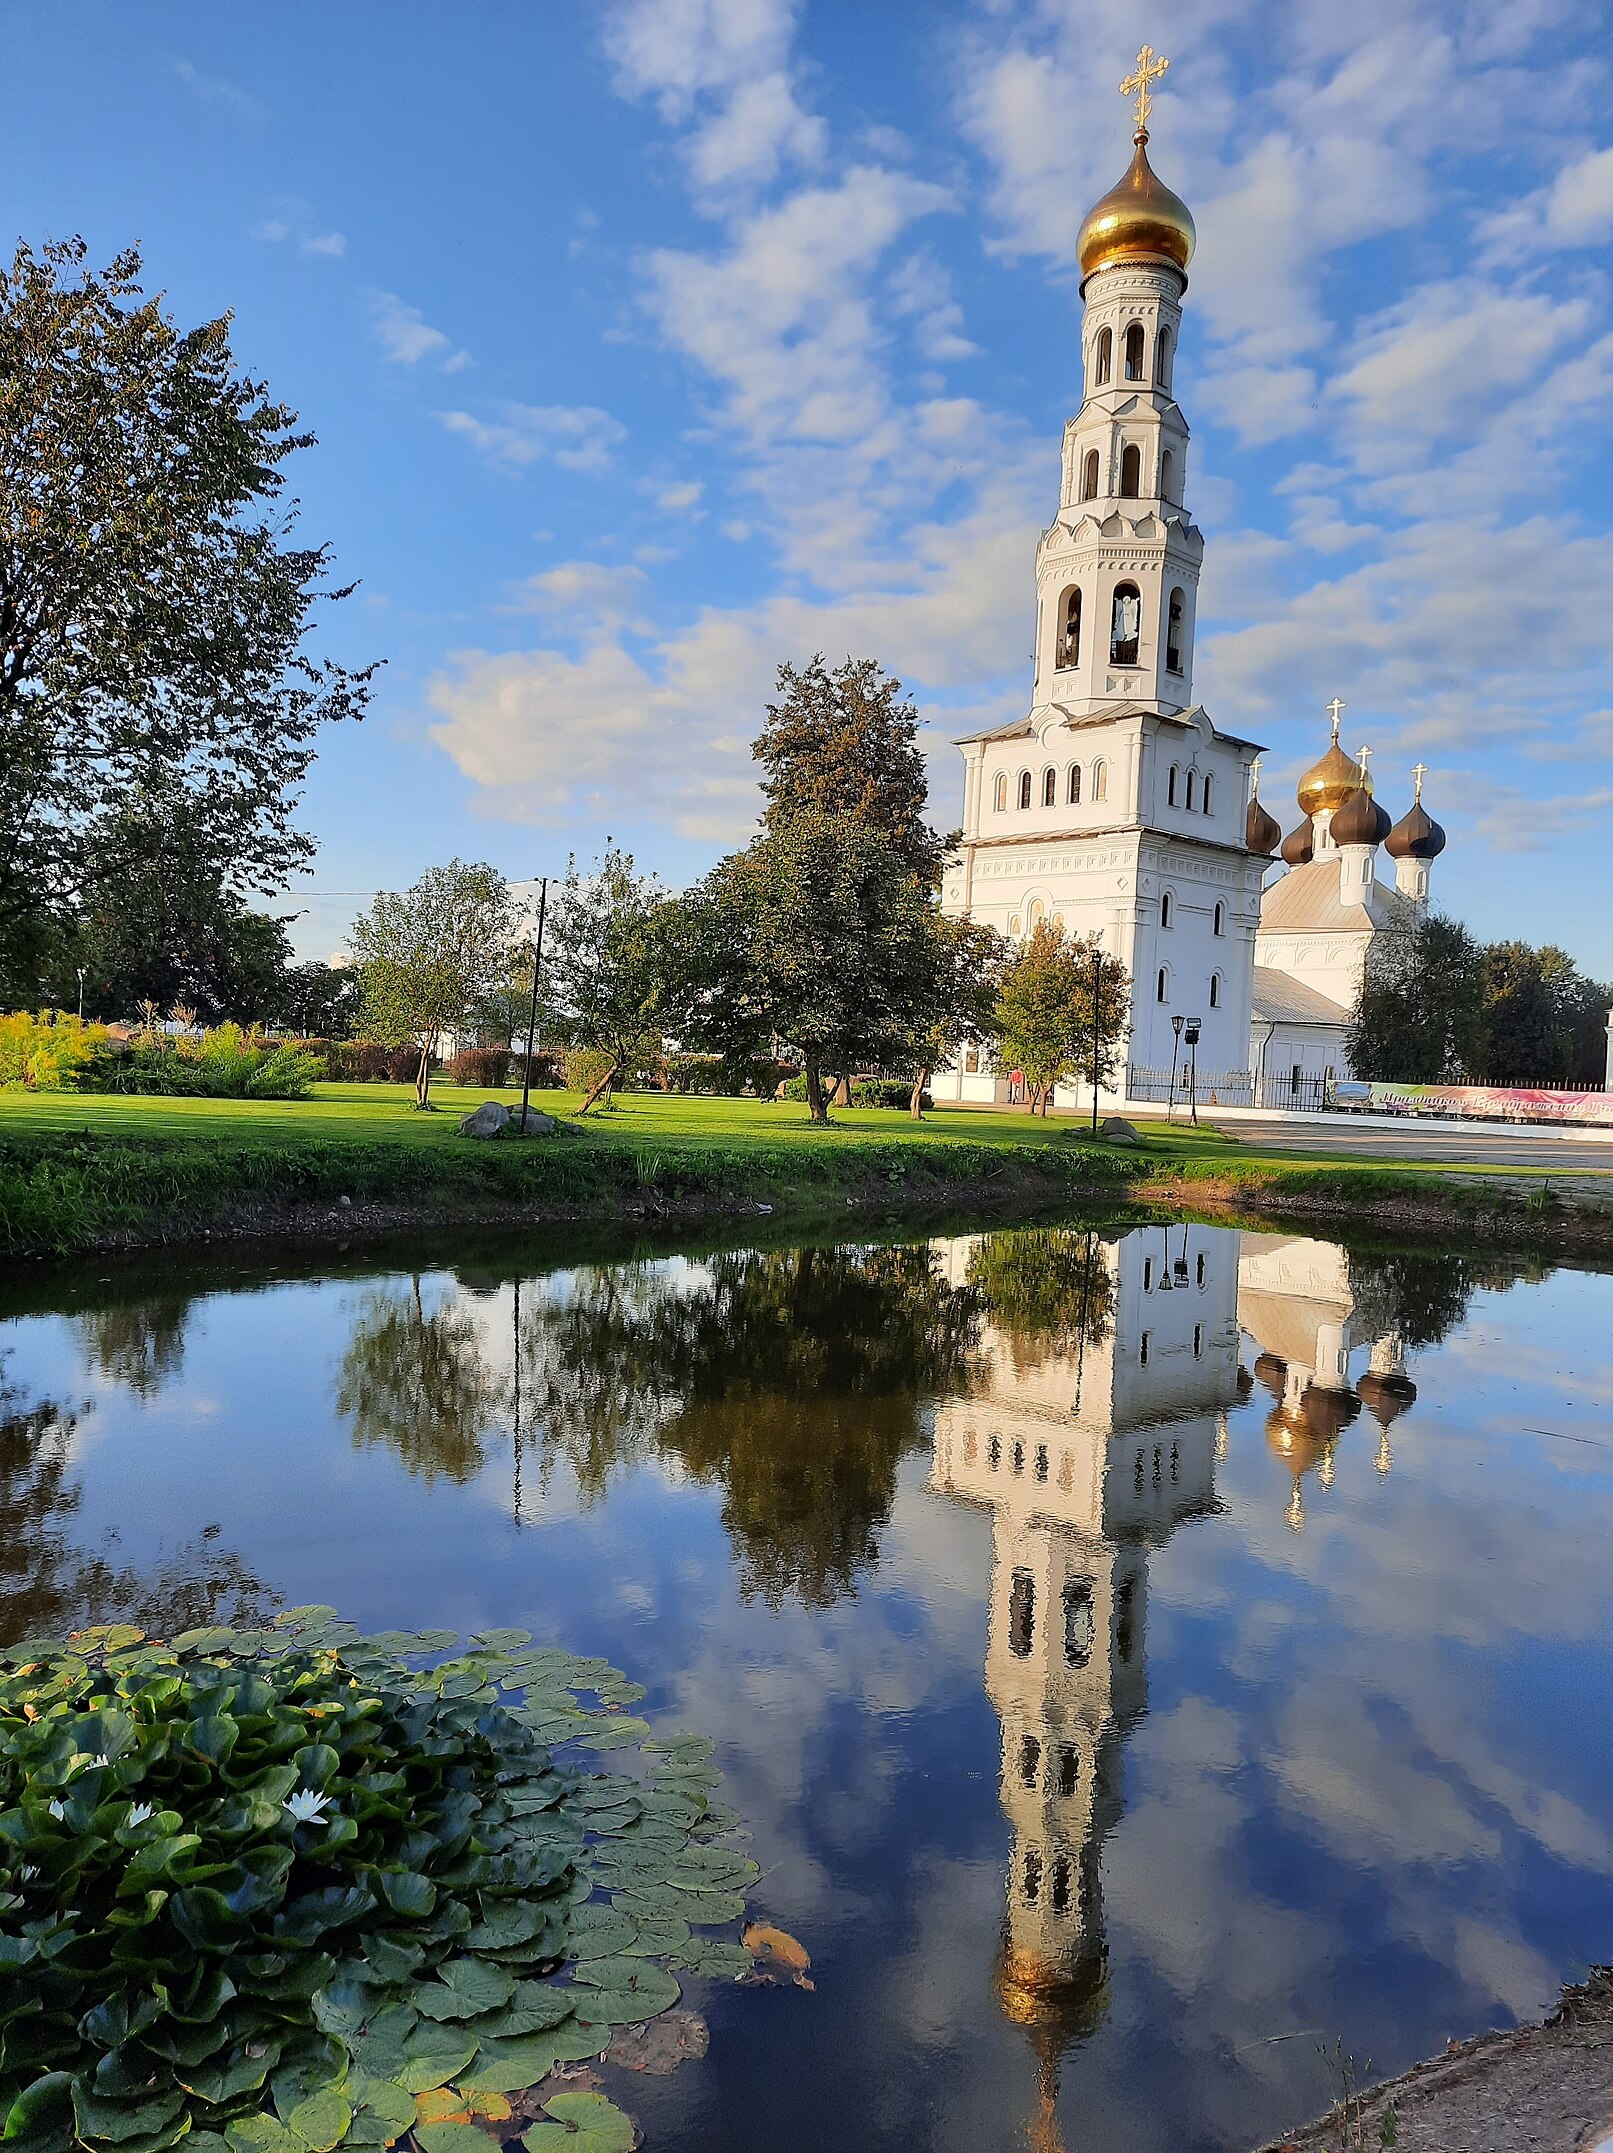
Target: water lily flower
{"x":307,"y":1806}
{"x":138,"y":1813}
{"x":57,"y":1809}
{"x":27,"y":1873}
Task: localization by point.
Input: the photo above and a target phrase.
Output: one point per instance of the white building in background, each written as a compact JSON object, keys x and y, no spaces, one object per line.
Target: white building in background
{"x":1116,"y":806}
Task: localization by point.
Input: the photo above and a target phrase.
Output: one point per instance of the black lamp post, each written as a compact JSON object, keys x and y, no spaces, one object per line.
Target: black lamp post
{"x":532,"y":1016}
{"x":1193,"y":1067}
{"x":1176,"y":1048}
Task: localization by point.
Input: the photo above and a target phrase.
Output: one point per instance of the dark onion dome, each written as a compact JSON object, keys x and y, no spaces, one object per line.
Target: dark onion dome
{"x":1273,"y":1372}
{"x":1261,"y":832}
{"x":1386,"y":1396}
{"x":1299,"y":847}
{"x":1416,"y":836}
{"x":1138,"y":220}
{"x":1360,"y":821}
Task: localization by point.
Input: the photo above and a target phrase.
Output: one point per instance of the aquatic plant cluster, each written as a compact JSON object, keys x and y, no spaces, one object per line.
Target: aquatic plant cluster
{"x":283,"y":1890}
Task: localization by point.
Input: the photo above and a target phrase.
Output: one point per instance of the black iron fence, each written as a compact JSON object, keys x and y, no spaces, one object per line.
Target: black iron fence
{"x":1291,"y":1089}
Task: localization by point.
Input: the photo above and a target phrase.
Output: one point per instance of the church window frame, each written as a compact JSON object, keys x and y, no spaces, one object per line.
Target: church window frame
{"x":1103,"y":359}
{"x":1131,"y":472}
{"x":1072,"y":786}
{"x":1024,"y":790}
{"x":1021,"y":1614}
{"x":1172,"y":785}
{"x":999,"y":793}
{"x":1167,"y":475}
{"x":1192,"y":790}
{"x":1031,"y":1876}
{"x":1144,"y":1348}
{"x":1162,"y":985}
{"x":1091,"y":474}
{"x":1135,"y":351}
{"x":1167,"y":908}
{"x":1030,"y":1761}
{"x":1220,"y":918}
{"x":1125,"y":624}
{"x":1060,"y":1885}
{"x":1100,"y":779}
{"x":1215,"y":990}
{"x":1069,"y":1769}
{"x":1175,"y":621}
{"x":1209,"y":795}
{"x":1080,"y":1606}
{"x":1162,"y":359}
{"x":1068,"y":651}
{"x":1050,"y":787}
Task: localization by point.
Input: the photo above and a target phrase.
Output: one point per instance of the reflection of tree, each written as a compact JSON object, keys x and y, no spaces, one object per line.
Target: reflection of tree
{"x":1420,"y":1295}
{"x":1048,"y":1290}
{"x":419,"y":1383}
{"x":48,"y":1586}
{"x":140,"y":1344}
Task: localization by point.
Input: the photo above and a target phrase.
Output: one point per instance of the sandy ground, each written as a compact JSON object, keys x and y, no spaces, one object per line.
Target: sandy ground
{"x":1541,"y":2089}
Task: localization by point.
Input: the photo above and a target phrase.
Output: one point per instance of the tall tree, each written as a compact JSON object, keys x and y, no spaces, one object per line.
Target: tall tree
{"x":1063,"y":1009}
{"x":1419,"y":1011}
{"x":429,"y":959}
{"x":841,"y":741}
{"x":1582,"y":1007}
{"x":1526,"y":1039}
{"x":316,"y":1001}
{"x":154,"y":611}
{"x":606,"y":965}
{"x":961,"y":1007}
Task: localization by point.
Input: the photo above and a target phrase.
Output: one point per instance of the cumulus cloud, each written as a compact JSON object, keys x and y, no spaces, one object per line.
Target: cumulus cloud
{"x":406,"y":337}
{"x":333,"y":244}
{"x":578,"y":437}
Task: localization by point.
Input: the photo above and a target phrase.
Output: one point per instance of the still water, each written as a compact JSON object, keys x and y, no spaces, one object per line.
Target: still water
{"x":1140,"y":1658}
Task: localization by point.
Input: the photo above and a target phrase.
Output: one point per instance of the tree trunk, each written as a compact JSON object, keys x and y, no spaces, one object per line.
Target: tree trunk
{"x":816,"y":1109}
{"x":604,"y":1084}
{"x":422,"y":1079}
{"x":841,"y":1094}
{"x":916,"y":1105}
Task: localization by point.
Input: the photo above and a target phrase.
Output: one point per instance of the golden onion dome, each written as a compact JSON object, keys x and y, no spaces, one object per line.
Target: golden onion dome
{"x":1138,"y":220}
{"x":1329,"y":783}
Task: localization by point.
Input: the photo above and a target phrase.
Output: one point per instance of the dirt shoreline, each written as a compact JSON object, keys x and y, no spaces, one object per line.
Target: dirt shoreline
{"x":1535,"y":2089}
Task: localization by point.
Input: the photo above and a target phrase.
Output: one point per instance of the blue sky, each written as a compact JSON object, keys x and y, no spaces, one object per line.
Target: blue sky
{"x":649,"y":343}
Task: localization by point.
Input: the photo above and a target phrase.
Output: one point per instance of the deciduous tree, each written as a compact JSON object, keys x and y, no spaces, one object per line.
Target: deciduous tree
{"x":428,"y":959}
{"x":607,"y":965}
{"x":1063,"y":1012}
{"x":1419,"y":1012}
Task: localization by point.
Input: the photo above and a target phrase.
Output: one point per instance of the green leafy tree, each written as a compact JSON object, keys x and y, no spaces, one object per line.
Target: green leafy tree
{"x":1525,"y":1038}
{"x":154,"y":610}
{"x":961,"y":1005}
{"x":1582,"y":1006}
{"x":607,"y":966}
{"x":317,"y":1001}
{"x":428,"y":959}
{"x":1063,"y":1006}
{"x":1419,"y":1013}
{"x":416,"y":1380}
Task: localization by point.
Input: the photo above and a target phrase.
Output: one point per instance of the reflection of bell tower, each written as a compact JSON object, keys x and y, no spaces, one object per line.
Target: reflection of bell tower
{"x":1089,"y":1452}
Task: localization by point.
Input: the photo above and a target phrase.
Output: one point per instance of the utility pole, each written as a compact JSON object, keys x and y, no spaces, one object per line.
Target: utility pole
{"x":532,"y":1017}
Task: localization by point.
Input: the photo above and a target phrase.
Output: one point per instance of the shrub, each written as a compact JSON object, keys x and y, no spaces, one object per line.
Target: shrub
{"x":548,"y":1071}
{"x":886,"y":1091}
{"x":585,"y":1066}
{"x":487,"y":1068}
{"x":688,"y":1073}
{"x":225,"y":1063}
{"x":50,"y":1052}
{"x":270,"y":1890}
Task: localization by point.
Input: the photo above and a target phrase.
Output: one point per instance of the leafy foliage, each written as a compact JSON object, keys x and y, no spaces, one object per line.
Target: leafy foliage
{"x":607,"y":968}
{"x":1419,"y":1012}
{"x":1051,"y":988}
{"x":224,"y":1063}
{"x":50,"y":1052}
{"x":429,"y":958}
{"x":272,"y":1890}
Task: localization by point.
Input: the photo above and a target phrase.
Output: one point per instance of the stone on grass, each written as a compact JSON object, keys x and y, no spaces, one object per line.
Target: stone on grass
{"x":487,"y":1120}
{"x":537,"y":1124}
{"x":1117,"y":1130}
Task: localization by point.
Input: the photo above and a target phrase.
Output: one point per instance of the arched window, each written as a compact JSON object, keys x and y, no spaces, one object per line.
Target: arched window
{"x":1171,"y":785}
{"x":999,"y":791}
{"x":1220,"y":919}
{"x":1131,"y":471}
{"x":1069,"y":651}
{"x":1167,"y":909}
{"x":1162,"y":986}
{"x":1126,"y":624}
{"x":1024,"y":788}
{"x":1192,"y":789}
{"x":1134,"y":352}
{"x":1078,"y":1623}
{"x":1050,"y":787}
{"x":1208,"y":782}
{"x":1167,"y":476}
{"x":1173,"y":631}
{"x":1162,"y":359}
{"x":1089,"y":475}
{"x":1100,"y":781}
{"x":1215,"y":990}
{"x":1106,"y":357}
{"x":1073,"y":790}
{"x":1021,"y":1614}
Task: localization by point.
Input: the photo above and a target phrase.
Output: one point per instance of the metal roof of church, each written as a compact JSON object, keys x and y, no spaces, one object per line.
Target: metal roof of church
{"x":1023,"y":728}
{"x":1282,"y":1000}
{"x":1306,"y":901}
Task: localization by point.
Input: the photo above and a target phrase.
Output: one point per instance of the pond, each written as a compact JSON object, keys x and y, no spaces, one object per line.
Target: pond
{"x":1143,"y":1659}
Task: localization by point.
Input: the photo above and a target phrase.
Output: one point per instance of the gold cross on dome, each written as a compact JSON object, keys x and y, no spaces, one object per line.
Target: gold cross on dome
{"x":1150,"y":66}
{"x":1419,"y":771}
{"x":1335,"y":710}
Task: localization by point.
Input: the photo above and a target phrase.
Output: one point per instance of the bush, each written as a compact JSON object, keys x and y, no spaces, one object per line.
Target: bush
{"x":686,"y":1073}
{"x":50,"y":1052}
{"x":548,"y":1071}
{"x":486,"y":1068}
{"x":886,"y":1091}
{"x":585,"y":1066}
{"x":225,"y":1063}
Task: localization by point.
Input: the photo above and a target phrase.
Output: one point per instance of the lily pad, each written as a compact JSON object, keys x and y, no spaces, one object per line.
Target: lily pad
{"x":464,"y":1988}
{"x":598,"y":1932}
{"x":624,"y":1992}
{"x":510,"y":2066}
{"x":321,"y":2121}
{"x":581,"y":2123}
{"x":452,"y":2136}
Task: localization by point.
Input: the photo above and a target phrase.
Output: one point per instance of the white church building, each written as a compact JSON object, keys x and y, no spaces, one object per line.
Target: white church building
{"x":1117,"y":807}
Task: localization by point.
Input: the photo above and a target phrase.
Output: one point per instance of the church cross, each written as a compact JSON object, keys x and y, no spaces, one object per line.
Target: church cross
{"x":1363,"y":759}
{"x":1419,"y":772}
{"x":1254,"y":778}
{"x":1335,"y":710}
{"x":1150,"y":66}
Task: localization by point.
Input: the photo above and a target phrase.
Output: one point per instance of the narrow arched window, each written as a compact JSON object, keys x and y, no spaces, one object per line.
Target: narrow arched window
{"x":1126,"y":625}
{"x":1167,"y":909}
{"x":1069,"y":651}
{"x":1173,"y":630}
{"x":1021,"y":1614}
{"x":1134,"y":352}
{"x":1208,"y":782}
{"x":1106,"y":357}
{"x":1162,"y":986}
{"x":1192,"y":789}
{"x":1073,"y":788}
{"x":1162,"y":359}
{"x":1131,"y":471}
{"x":1167,"y":476}
{"x":1171,"y":785}
{"x":1024,"y":788}
{"x":1089,"y":475}
{"x":1220,"y":919}
{"x":1100,"y":781}
{"x":1050,"y":787}
{"x":999,"y":792}
{"x":1215,"y":990}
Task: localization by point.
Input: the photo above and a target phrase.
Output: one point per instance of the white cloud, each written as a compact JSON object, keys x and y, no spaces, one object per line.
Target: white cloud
{"x":404,"y":334}
{"x":578,"y":437}
{"x":592,"y":596}
{"x":331,"y":243}
{"x":273,"y":230}
{"x":677,"y":498}
{"x":1575,"y":210}
{"x":214,"y":90}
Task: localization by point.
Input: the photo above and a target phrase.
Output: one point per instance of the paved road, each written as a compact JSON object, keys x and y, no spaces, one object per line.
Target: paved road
{"x":1481,"y":1148}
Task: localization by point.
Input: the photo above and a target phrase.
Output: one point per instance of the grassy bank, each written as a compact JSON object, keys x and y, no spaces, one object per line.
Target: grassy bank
{"x":82,"y":1171}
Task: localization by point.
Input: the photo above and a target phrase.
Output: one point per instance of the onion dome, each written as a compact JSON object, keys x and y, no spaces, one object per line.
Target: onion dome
{"x":1299,"y":847}
{"x":1416,"y":836}
{"x":1386,"y":1396}
{"x":1360,"y":821}
{"x":1329,"y":783}
{"x":1138,"y":220}
{"x":1260,"y":831}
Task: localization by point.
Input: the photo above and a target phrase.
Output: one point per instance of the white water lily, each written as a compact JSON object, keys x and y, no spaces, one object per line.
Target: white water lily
{"x":138,"y":1813}
{"x":27,"y":1873}
{"x":57,"y":1809}
{"x":307,"y":1806}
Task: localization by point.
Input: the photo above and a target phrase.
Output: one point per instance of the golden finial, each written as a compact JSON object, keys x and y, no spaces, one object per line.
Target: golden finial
{"x":1150,"y":66}
{"x":1335,"y":711}
{"x":1254,"y":779}
{"x":1363,"y":757}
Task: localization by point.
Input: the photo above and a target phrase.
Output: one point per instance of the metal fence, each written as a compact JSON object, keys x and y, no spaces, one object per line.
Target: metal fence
{"x":1289,"y":1089}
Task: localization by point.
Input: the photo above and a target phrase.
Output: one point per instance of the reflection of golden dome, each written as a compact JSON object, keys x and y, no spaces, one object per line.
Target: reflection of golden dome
{"x":1332,"y":781}
{"x":1041,"y":1992}
{"x":1137,"y":221}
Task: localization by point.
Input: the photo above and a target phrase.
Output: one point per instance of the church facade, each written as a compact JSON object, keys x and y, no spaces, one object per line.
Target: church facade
{"x":1117,"y":807}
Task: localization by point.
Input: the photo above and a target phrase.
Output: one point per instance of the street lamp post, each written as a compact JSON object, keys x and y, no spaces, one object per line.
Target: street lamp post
{"x":1193,"y":1067}
{"x":532,"y":1015}
{"x":1176,"y":1048}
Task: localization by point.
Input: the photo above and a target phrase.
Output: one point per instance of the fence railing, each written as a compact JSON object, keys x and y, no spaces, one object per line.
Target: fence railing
{"x":1234,"y":1087}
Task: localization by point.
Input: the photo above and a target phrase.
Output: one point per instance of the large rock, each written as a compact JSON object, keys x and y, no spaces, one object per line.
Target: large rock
{"x":488,"y":1119}
{"x":537,"y":1124}
{"x":1117,"y":1130}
